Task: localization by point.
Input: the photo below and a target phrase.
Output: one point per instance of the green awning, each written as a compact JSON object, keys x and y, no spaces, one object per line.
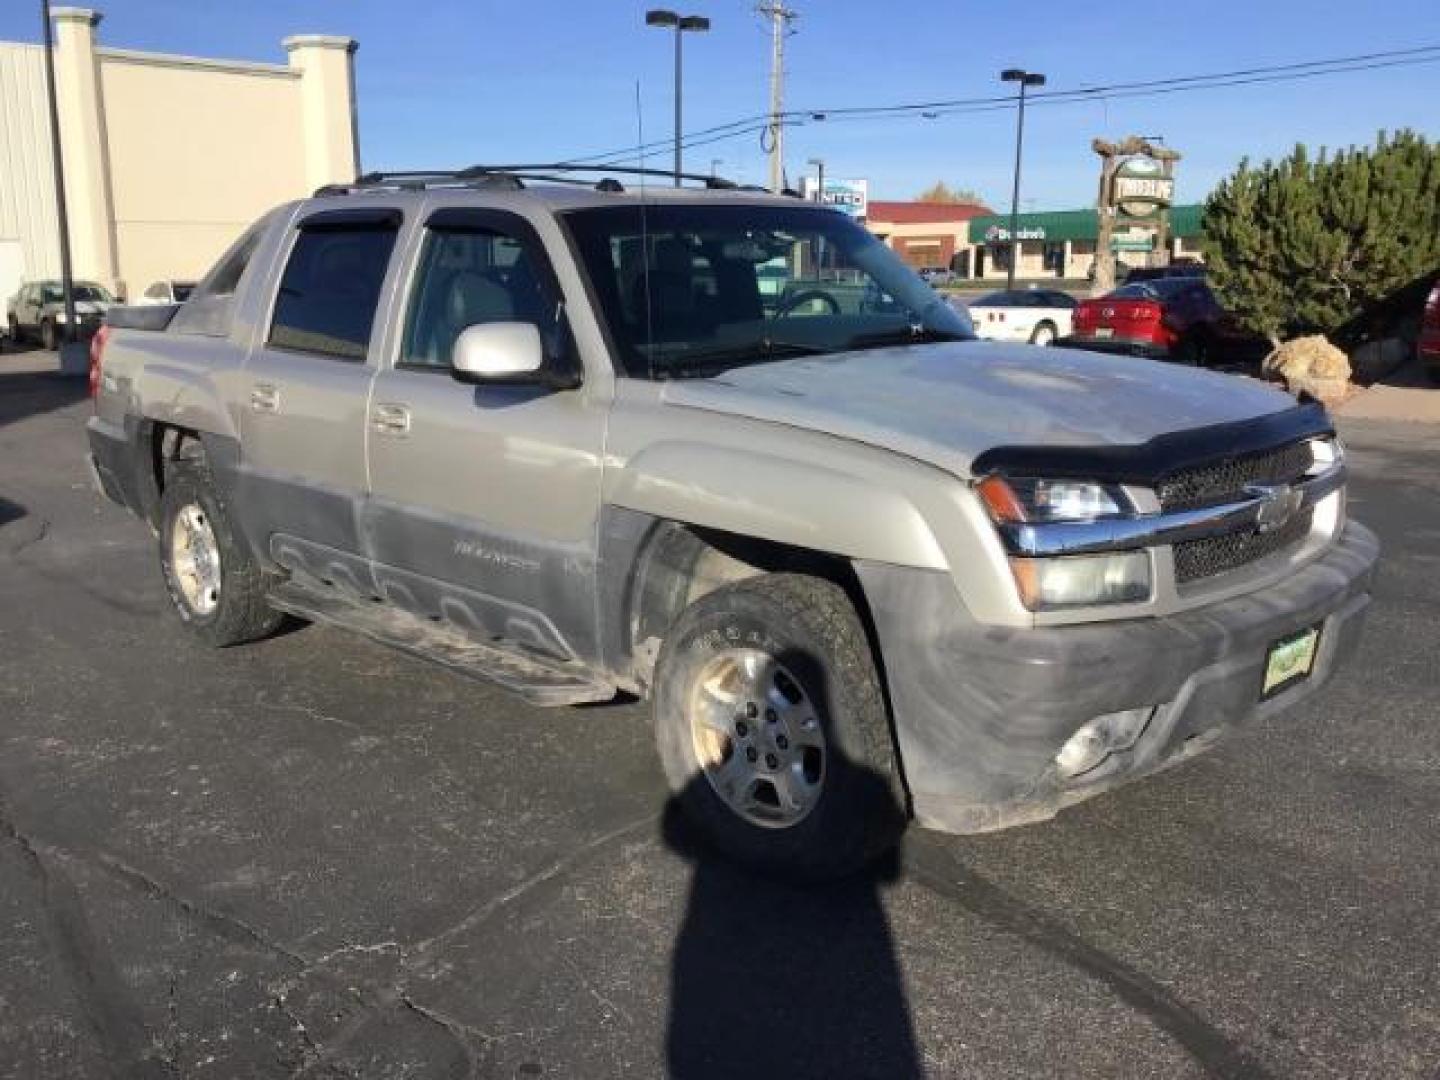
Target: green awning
{"x":1060,"y":225}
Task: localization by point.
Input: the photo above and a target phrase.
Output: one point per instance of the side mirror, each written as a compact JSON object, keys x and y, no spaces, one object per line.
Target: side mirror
{"x":499,"y":352}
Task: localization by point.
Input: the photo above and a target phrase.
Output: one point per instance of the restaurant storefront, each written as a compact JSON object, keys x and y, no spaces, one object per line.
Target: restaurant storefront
{"x":1061,"y":243}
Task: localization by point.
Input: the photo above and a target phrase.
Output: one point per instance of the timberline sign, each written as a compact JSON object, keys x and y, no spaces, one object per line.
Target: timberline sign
{"x":1141,"y":189}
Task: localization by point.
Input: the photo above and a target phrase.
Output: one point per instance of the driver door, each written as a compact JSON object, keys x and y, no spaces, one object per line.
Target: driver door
{"x":484,"y":499}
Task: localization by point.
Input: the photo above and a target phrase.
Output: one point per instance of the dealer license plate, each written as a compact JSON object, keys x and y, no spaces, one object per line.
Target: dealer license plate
{"x":1104,"y":331}
{"x":1289,"y":661}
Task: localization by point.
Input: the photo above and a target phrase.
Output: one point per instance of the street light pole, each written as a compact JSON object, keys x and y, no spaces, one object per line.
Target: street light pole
{"x":680,"y":24}
{"x":1025,"y":79}
{"x":67,"y":281}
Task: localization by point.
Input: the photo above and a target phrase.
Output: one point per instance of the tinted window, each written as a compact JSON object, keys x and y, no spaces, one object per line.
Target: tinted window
{"x":182,"y":292}
{"x":466,"y":278}
{"x":996,"y":299}
{"x":1137,"y":291}
{"x":225,"y":278}
{"x":330,"y":289}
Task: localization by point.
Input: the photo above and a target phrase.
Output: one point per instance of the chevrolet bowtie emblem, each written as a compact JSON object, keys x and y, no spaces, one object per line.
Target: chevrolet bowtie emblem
{"x":1278,"y":503}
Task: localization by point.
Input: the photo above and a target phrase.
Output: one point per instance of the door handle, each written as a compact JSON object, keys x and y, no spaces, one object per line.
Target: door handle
{"x":265,"y":397}
{"x":391,"y":419}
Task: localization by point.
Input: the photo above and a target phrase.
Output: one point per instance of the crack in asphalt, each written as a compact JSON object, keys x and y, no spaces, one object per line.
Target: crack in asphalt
{"x":227,"y":927}
{"x":41,"y":533}
{"x":104,"y":1000}
{"x":1207,"y":1045}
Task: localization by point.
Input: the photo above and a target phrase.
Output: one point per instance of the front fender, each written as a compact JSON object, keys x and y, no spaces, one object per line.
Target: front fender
{"x":771,"y":498}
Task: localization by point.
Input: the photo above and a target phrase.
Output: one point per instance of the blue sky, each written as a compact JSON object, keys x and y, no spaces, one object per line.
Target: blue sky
{"x":446,"y":82}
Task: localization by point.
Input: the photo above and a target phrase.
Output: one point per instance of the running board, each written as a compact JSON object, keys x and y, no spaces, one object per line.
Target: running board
{"x":540,"y":680}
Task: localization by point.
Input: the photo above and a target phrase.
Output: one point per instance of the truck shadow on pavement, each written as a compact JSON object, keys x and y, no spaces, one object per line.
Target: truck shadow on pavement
{"x":29,"y":393}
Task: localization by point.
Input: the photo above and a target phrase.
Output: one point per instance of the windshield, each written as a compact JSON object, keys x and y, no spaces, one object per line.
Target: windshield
{"x":83,"y":290}
{"x":691,"y":290}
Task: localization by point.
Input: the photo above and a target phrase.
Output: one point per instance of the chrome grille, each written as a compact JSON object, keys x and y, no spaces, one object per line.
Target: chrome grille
{"x":1196,"y":559}
{"x":1226,"y":481}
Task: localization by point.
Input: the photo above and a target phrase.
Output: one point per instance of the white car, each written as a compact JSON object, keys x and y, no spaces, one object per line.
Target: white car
{"x":1039,"y":316}
{"x":167,"y":292}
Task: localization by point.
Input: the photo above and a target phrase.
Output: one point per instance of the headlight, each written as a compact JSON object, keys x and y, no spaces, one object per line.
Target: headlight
{"x":1074,"y":580}
{"x":1326,"y":452}
{"x":1022,"y":499}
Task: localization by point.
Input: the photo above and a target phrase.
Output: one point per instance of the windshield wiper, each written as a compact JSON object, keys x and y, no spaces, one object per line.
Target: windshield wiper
{"x":704,"y":362}
{"x":903,"y":335}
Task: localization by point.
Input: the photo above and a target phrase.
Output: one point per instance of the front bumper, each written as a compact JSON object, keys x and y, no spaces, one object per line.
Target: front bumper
{"x":981,"y":711}
{"x":1149,"y":350}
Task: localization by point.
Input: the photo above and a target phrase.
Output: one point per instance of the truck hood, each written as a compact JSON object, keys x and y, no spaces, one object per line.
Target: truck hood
{"x":947,"y":404}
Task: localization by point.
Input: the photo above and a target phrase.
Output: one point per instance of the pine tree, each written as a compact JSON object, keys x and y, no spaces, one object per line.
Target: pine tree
{"x":1321,"y":245}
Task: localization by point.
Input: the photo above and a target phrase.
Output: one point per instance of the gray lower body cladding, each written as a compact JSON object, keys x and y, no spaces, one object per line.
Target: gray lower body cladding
{"x":982,"y":711}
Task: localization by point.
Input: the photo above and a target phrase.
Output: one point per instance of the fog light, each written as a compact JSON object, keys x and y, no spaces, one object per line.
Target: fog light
{"x":1119,"y":578}
{"x":1097,"y":739}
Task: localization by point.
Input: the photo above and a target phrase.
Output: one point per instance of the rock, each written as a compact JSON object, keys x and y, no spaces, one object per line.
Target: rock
{"x":1375,"y":360}
{"x":1313,"y":366}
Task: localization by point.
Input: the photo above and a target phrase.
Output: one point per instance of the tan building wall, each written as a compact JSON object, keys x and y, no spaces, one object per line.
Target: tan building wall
{"x":27,"y":192}
{"x":169,"y":158}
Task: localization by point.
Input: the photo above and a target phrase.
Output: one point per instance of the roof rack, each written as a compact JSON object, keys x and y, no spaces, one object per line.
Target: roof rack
{"x":512,"y":178}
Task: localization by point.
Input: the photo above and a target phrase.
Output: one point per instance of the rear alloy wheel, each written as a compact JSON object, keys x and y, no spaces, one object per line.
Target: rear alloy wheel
{"x":773,"y":730}
{"x":1044,"y":334}
{"x":213,"y":581}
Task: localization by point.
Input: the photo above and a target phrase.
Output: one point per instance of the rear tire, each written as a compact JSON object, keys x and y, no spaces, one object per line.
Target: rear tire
{"x":49,"y":339}
{"x":15,"y":338}
{"x":1044,"y":334}
{"x":213,"y":581}
{"x":1192,"y":351}
{"x":773,"y":731}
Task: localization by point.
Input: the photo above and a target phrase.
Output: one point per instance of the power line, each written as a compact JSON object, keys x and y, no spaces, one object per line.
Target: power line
{"x":1274,"y":73}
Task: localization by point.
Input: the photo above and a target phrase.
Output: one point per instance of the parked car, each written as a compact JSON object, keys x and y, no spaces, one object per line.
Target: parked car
{"x":936,"y":276}
{"x":167,"y":292}
{"x":1428,"y":345}
{"x":1039,"y":316}
{"x":865,"y":567}
{"x":1179,"y":268}
{"x":37,"y":311}
{"x":1171,"y":318}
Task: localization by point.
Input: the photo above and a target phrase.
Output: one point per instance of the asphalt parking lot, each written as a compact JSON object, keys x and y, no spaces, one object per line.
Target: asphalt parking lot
{"x":316,"y":857}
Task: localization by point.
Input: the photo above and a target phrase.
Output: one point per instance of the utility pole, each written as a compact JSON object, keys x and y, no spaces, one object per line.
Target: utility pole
{"x":780,"y":18}
{"x":67,"y":279}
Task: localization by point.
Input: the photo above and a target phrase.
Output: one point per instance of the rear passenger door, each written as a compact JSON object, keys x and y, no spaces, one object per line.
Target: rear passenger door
{"x":484,"y":499}
{"x":305,"y":395}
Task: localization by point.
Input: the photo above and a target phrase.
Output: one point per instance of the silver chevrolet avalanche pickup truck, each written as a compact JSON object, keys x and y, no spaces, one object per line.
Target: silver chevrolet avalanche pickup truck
{"x":723,"y":450}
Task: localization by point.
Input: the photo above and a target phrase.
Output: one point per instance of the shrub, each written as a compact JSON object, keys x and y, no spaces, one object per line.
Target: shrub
{"x":1316,"y":245}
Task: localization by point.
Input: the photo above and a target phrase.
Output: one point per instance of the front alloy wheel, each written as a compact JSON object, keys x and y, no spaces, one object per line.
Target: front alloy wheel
{"x":757,"y":738}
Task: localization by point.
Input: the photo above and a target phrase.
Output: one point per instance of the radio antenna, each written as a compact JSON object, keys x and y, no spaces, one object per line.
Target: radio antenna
{"x":644,"y":238}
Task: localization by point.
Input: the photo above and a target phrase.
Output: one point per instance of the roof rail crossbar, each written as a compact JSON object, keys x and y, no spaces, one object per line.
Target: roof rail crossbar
{"x":512,"y":177}
{"x":716,"y":182}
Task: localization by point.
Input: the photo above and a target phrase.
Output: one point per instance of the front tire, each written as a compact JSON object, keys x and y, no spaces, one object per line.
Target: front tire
{"x":773,"y":731}
{"x":213,"y":581}
{"x":1044,"y":334}
{"x":49,"y":339}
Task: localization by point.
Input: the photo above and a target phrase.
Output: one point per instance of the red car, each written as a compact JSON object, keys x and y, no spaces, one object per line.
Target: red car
{"x":1429,"y":345}
{"x":1170,"y":318}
